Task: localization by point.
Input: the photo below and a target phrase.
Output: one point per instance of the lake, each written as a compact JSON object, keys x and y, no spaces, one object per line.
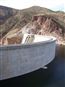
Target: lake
{"x":54,"y":76}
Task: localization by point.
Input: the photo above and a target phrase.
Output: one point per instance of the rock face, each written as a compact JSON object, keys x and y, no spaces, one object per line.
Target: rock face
{"x":40,"y":24}
{"x":6,"y":13}
{"x":11,"y":19}
{"x":35,"y":20}
{"x":12,"y":38}
{"x":45,"y":25}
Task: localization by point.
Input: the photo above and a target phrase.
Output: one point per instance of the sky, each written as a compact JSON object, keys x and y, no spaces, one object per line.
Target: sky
{"x":21,"y":4}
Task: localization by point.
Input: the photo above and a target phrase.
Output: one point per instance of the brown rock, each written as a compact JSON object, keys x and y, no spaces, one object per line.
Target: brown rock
{"x":14,"y":40}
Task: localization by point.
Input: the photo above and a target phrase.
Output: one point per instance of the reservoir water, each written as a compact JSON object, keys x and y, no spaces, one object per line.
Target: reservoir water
{"x":53,"y":76}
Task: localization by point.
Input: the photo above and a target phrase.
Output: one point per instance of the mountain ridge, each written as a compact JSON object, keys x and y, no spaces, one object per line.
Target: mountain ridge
{"x":17,"y":19}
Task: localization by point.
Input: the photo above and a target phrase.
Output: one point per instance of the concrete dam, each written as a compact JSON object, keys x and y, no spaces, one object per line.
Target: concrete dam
{"x":19,"y":59}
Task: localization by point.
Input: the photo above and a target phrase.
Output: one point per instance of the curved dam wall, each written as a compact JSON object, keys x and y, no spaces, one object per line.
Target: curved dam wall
{"x":17,"y":60}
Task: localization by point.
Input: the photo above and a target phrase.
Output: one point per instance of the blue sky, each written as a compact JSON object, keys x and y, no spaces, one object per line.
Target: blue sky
{"x":21,"y":4}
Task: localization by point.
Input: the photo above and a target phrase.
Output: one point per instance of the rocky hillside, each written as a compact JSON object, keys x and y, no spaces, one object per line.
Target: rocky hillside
{"x":35,"y":20}
{"x":46,"y":25}
{"x":6,"y":13}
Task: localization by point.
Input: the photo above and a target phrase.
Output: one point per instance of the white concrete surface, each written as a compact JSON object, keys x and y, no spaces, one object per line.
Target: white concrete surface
{"x":20,"y":59}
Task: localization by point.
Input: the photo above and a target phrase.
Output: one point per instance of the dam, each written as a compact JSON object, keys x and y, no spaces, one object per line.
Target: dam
{"x":19,"y":59}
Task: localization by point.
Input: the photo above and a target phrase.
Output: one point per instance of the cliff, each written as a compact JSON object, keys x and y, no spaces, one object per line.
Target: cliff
{"x":36,"y":20}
